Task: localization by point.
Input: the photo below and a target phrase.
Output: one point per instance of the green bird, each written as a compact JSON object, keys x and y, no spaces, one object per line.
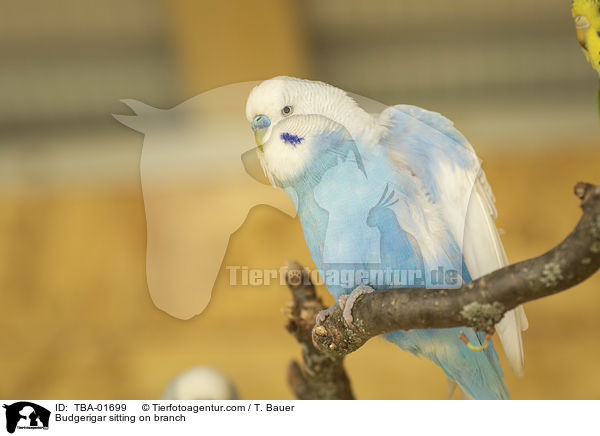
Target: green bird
{"x":586,"y":14}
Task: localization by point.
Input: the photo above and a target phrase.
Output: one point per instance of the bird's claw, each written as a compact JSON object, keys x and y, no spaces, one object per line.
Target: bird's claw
{"x":347,"y":303}
{"x":481,"y":347}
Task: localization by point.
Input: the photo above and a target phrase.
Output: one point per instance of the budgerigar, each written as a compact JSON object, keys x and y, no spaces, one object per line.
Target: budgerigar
{"x":395,"y":199}
{"x":586,"y":14}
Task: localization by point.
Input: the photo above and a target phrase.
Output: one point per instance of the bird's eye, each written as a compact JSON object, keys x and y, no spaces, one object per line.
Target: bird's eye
{"x":287,"y":110}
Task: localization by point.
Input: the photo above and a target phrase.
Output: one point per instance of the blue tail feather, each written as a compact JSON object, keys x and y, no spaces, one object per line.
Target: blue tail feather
{"x":477,"y":372}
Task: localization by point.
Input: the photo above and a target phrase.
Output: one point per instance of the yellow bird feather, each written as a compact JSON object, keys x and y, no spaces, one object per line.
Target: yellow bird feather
{"x":586,"y":14}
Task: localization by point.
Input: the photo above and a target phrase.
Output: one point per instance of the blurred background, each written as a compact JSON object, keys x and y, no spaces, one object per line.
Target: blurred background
{"x":76,"y":318}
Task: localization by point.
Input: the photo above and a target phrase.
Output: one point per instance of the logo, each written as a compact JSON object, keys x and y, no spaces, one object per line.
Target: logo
{"x":26,"y":415}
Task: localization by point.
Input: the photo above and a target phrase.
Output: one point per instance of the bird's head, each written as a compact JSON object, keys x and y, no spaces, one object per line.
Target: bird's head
{"x":294,"y":120}
{"x":586,"y":14}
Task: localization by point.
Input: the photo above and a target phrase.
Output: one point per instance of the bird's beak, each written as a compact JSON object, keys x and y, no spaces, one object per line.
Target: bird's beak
{"x":581,"y":37}
{"x":259,"y":137}
{"x":260,"y":126}
{"x":582,"y":24}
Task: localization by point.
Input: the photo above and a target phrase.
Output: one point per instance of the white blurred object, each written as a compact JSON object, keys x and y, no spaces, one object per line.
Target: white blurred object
{"x":201,"y":383}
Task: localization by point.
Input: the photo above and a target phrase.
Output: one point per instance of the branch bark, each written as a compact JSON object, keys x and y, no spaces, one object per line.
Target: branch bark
{"x":479,"y":304}
{"x":323,"y":376}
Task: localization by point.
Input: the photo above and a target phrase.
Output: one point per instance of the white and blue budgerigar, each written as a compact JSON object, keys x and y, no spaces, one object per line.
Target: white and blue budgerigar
{"x":396,"y":199}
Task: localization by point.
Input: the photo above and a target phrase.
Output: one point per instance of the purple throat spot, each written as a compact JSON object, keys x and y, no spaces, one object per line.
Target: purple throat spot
{"x":291,"y":139}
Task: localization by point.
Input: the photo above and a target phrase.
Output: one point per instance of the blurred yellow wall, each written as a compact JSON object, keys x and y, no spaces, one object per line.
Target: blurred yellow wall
{"x":218,"y":43}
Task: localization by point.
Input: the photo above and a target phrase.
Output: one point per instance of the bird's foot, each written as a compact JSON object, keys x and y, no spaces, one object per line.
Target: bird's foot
{"x":486,"y":341}
{"x":347,"y":303}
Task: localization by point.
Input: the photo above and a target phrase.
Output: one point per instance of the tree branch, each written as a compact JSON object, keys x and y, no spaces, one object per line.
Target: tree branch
{"x":323,"y":376}
{"x":479,"y":304}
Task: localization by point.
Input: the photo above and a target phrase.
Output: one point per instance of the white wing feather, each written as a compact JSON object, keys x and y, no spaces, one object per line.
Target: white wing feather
{"x":466,"y":201}
{"x":484,"y":253}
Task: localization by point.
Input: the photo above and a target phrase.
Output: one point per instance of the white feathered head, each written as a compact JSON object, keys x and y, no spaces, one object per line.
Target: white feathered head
{"x":291,"y":119}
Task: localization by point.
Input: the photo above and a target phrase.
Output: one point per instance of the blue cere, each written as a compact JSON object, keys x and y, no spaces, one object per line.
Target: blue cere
{"x":260,"y":122}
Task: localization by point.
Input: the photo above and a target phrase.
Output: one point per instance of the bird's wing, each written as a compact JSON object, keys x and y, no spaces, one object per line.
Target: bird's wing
{"x":427,"y":144}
